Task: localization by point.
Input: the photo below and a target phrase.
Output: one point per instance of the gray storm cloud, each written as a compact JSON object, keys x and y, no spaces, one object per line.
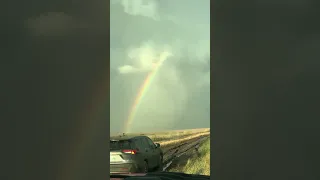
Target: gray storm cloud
{"x":146,"y":38}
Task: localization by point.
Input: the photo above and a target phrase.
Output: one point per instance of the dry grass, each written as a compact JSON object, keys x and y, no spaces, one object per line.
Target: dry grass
{"x":197,"y":164}
{"x":178,"y":141}
{"x":176,"y":135}
{"x":171,"y":139}
{"x":171,"y":136}
{"x":161,"y":137}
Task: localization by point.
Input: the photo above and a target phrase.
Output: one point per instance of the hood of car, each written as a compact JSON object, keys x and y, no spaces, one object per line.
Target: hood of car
{"x":132,"y":174}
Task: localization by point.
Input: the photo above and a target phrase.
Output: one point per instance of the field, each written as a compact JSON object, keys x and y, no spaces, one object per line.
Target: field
{"x":194,"y":162}
{"x":173,"y":137}
{"x":179,"y":149}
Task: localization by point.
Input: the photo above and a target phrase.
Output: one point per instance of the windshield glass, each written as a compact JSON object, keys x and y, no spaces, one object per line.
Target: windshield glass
{"x":160,"y":85}
{"x":115,"y":145}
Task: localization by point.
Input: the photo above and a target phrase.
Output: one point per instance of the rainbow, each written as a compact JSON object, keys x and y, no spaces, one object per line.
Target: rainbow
{"x":84,"y":133}
{"x":142,"y":92}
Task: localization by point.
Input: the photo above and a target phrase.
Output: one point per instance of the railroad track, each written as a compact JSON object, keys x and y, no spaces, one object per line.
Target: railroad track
{"x":177,"y":151}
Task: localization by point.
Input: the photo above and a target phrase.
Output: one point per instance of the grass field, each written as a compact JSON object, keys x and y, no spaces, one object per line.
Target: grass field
{"x":174,"y":135}
{"x":181,"y":139}
{"x":195,"y":163}
{"x":173,"y":138}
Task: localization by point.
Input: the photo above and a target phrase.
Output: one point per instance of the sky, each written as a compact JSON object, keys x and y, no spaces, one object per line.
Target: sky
{"x":141,"y":32}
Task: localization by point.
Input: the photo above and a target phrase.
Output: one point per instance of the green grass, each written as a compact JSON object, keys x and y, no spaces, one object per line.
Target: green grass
{"x":197,"y":164}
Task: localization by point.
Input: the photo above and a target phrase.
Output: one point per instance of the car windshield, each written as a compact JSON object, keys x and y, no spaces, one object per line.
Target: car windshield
{"x":160,"y":86}
{"x":122,"y":144}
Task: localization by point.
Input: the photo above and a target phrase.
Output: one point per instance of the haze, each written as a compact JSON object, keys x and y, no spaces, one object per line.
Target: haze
{"x":178,"y":97}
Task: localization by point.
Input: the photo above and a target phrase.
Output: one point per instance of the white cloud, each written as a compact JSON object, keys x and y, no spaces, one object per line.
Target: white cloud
{"x":127,"y":69}
{"x":145,"y":58}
